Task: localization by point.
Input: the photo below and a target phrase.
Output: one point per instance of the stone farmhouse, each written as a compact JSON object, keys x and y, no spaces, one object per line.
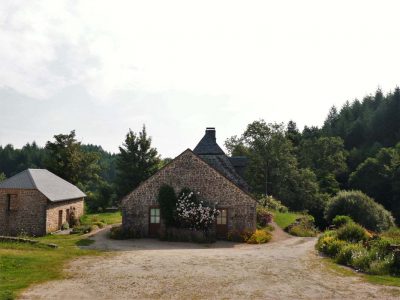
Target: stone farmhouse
{"x":206,"y":170}
{"x":37,"y":202}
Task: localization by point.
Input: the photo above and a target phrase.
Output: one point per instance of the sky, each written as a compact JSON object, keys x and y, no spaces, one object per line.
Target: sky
{"x":102,"y":67}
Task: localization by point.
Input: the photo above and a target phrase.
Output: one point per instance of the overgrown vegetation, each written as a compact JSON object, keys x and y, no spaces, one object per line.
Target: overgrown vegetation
{"x":352,"y":245}
{"x":303,"y":226}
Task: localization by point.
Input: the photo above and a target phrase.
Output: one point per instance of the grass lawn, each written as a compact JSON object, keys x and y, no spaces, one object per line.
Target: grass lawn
{"x":285,"y":219}
{"x":22,"y":265}
{"x":107,"y":218}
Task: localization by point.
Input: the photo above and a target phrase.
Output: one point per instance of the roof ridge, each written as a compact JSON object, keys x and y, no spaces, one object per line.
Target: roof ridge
{"x":31,"y":178}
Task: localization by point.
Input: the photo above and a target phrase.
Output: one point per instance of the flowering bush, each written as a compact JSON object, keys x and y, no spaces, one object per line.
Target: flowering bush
{"x":264,"y":217}
{"x":194,"y":214}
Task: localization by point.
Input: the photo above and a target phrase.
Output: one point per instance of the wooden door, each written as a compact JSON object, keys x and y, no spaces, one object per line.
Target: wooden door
{"x":154,"y":221}
{"x":222,"y":223}
{"x":60,"y":219}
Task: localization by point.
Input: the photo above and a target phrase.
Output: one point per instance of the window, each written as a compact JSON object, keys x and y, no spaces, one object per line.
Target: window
{"x":11,"y":202}
{"x":222,"y":217}
{"x":154,"y":215}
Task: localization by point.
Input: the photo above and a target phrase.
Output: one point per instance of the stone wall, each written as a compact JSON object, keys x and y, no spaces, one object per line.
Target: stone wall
{"x":53,"y":209}
{"x":27,"y":214}
{"x":188,"y":170}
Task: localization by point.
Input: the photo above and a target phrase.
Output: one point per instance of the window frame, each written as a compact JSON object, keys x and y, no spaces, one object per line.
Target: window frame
{"x":220,"y":219}
{"x":156,"y":216}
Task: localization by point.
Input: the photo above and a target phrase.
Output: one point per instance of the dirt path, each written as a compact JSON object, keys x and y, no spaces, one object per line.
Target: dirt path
{"x":287,"y":268}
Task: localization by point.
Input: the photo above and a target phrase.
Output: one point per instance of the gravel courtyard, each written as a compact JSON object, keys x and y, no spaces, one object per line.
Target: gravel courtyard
{"x":286,"y":268}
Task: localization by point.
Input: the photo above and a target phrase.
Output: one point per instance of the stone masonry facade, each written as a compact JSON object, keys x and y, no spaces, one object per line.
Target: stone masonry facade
{"x":53,"y":209}
{"x":30,"y":212}
{"x":189,"y":170}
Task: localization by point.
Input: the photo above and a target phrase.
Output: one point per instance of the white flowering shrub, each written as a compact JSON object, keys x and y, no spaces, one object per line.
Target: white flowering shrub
{"x":195,"y":214}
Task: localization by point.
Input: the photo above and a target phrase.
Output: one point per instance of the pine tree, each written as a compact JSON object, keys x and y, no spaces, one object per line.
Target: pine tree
{"x":136,"y":161}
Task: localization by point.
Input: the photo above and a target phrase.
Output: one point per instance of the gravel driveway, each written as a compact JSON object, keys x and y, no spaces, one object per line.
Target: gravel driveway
{"x":287,"y":268}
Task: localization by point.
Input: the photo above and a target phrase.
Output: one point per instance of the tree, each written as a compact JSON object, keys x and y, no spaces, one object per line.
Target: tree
{"x":67,"y":159}
{"x":326,"y":156}
{"x":136,"y":161}
{"x":273,"y":168}
{"x":378,"y":177}
{"x":2,"y":176}
{"x":293,"y":133}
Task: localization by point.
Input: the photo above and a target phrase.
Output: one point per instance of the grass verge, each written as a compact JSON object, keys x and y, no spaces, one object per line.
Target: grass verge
{"x":107,"y":218}
{"x":283,"y":220}
{"x":376,"y":279}
{"x":22,"y":265}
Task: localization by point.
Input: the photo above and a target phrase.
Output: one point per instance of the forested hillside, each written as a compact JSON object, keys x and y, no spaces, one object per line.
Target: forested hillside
{"x":356,"y":148}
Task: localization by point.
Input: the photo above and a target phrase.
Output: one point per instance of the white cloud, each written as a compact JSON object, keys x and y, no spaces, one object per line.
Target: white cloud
{"x":277,"y":60}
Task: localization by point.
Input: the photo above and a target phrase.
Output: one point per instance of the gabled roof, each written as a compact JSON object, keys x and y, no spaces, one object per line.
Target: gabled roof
{"x":53,"y":187}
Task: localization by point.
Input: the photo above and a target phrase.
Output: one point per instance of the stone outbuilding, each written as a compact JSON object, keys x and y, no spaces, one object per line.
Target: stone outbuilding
{"x":206,"y":170}
{"x":37,"y":202}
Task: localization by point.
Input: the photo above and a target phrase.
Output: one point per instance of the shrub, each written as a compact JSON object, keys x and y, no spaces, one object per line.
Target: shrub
{"x":93,"y":227}
{"x":81,"y":229}
{"x":119,"y":233}
{"x":100,"y":224}
{"x":395,"y":266}
{"x":260,"y":236}
{"x":380,"y":267}
{"x":393,"y":235}
{"x":270,"y":202}
{"x":303,"y":226}
{"x":341,"y":220}
{"x":167,"y":200}
{"x":352,"y":233}
{"x":329,"y":244}
{"x":379,"y":248}
{"x":73,"y":220}
{"x":194,"y":214}
{"x":360,"y":259}
{"x":65,"y":226}
{"x":345,"y":254}
{"x":361,"y":208}
{"x":264,"y":217}
{"x":239,"y":236}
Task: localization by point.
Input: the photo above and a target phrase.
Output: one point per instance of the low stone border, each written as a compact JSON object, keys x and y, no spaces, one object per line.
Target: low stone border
{"x":23,"y":240}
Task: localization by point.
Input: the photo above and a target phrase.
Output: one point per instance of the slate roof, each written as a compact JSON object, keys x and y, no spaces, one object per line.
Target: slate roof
{"x":208,"y":150}
{"x":208,"y":144}
{"x":53,"y":187}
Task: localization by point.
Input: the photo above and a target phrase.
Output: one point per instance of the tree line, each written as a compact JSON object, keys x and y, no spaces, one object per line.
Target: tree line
{"x":358,"y":147}
{"x":105,"y":177}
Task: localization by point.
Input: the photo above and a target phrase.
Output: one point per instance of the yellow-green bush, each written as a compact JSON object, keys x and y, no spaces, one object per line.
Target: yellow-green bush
{"x":330,"y":245}
{"x":260,"y":236}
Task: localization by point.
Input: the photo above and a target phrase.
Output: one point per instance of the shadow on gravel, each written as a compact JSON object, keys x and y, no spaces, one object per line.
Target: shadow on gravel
{"x":101,"y":241}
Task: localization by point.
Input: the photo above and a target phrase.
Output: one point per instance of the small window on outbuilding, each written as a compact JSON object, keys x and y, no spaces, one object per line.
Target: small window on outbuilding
{"x":11,"y":202}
